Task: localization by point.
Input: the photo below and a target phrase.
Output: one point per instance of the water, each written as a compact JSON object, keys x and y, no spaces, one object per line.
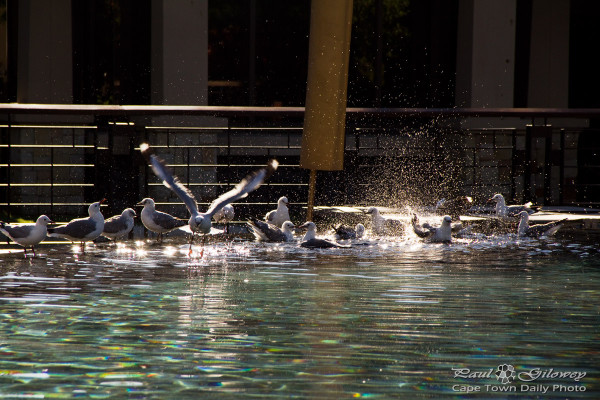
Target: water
{"x":246,"y":320}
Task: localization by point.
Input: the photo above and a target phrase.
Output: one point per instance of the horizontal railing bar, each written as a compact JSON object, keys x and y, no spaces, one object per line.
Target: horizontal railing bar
{"x":243,"y":111}
{"x":220,"y":146}
{"x":46,"y":165}
{"x":45,"y":184}
{"x":48,"y":126}
{"x":54,"y":146}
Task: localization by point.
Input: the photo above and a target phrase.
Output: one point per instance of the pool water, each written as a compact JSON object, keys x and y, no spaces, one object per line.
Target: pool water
{"x":388,"y":319}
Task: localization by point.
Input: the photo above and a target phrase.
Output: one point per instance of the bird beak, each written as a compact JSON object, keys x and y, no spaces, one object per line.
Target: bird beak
{"x":141,"y":203}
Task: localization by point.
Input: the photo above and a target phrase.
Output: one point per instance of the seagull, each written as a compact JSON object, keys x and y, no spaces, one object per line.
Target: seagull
{"x":347,"y":232}
{"x":27,"y":235}
{"x":382,"y":226}
{"x":201,"y":222}
{"x":278,"y":216}
{"x":426,"y":231}
{"x":119,"y":225}
{"x":82,"y":229}
{"x":270,"y":233}
{"x":158,"y":221}
{"x":538,"y":230}
{"x":224,"y":215}
{"x":503,"y":211}
{"x":311,"y":241}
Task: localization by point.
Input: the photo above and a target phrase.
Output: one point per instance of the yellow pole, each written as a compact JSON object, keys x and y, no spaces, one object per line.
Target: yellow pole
{"x":323,"y":138}
{"x":312,"y":183}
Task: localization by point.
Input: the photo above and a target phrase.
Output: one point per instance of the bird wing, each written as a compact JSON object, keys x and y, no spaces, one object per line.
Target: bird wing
{"x":115,"y":224}
{"x":166,"y":221}
{"x":419,"y":230}
{"x":18,"y":231}
{"x":267,"y":232}
{"x":169,"y":179}
{"x":78,"y":228}
{"x":241,"y":190}
{"x":548,"y":229}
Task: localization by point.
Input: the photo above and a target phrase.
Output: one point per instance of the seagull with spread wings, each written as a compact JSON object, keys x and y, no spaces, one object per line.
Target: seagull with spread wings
{"x":201,"y":222}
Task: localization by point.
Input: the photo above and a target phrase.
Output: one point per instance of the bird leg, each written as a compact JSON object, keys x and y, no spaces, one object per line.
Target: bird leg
{"x":191,"y":242}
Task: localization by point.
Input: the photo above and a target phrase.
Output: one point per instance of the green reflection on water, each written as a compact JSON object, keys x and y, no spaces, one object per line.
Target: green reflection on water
{"x":261,"y":320}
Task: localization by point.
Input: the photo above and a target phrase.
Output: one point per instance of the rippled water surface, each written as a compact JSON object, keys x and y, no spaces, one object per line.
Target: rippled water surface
{"x":384,"y":320}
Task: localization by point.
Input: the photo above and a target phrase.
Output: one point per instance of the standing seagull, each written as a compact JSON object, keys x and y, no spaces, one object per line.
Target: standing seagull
{"x":224,"y":215}
{"x":538,"y":230}
{"x":201,"y":222}
{"x":503,"y":211}
{"x":158,"y":221}
{"x":264,"y":232}
{"x":27,"y":235}
{"x":82,"y":229}
{"x":119,"y":225}
{"x":425,"y":231}
{"x":278,"y":216}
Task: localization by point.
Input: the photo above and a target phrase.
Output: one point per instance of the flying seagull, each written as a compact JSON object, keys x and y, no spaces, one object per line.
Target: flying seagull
{"x":119,"y":225}
{"x":265,"y":232}
{"x":201,"y":222}
{"x":310,"y":239}
{"x":439,"y":234}
{"x":278,"y":216}
{"x":538,"y":230}
{"x":27,"y":235}
{"x":158,"y":221}
{"x":503,"y":211}
{"x":82,"y":229}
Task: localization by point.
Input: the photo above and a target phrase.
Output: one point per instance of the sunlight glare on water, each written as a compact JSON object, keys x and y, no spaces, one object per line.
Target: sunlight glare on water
{"x":388,"y":318}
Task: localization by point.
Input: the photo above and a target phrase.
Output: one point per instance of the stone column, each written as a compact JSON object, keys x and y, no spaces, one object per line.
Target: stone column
{"x":549,"y":54}
{"x":485,"y":53}
{"x":45,"y":62}
{"x":179,"y":52}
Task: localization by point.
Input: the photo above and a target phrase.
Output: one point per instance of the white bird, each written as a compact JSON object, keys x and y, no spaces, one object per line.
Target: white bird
{"x":278,"y":216}
{"x":119,"y":225}
{"x":384,"y":226}
{"x":158,"y":221}
{"x":265,"y":232}
{"x":224,"y":215}
{"x":27,"y":235}
{"x":82,"y":229}
{"x":310,"y":239}
{"x":538,"y":230}
{"x":347,"y":232}
{"x":201,"y":222}
{"x":503,"y":211}
{"x":439,"y":234}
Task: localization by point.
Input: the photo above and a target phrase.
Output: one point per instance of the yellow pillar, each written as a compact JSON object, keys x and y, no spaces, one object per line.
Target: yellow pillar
{"x":325,"y":116}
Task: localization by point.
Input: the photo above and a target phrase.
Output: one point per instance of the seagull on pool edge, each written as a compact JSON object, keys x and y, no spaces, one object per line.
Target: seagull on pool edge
{"x":27,"y":235}
{"x":157,"y":221}
{"x":119,"y":225}
{"x":201,"y":222}
{"x":82,"y":229}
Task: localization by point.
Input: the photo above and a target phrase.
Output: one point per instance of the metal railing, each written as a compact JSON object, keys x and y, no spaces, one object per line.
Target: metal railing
{"x":56,"y":159}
